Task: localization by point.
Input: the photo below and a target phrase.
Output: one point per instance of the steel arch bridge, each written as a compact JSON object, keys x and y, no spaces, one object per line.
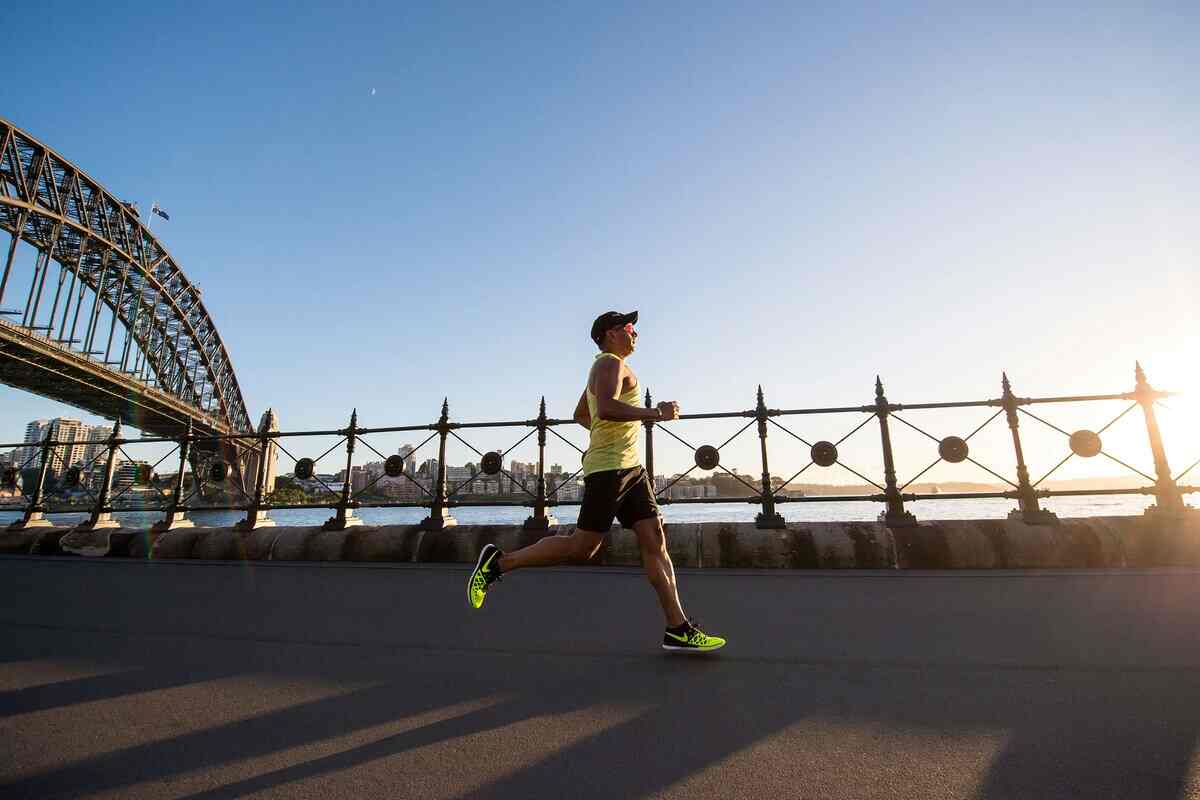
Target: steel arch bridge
{"x":120,"y":330}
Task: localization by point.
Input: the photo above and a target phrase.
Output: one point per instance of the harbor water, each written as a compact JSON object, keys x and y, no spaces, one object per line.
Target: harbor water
{"x":838,"y":511}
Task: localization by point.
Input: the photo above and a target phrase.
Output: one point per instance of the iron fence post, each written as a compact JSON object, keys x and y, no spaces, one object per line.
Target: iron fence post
{"x":540,"y":521}
{"x":35,"y":512}
{"x":1166,"y":492}
{"x":894,"y":516}
{"x":1027,"y":502}
{"x":256,"y":515}
{"x":343,"y":516}
{"x":176,"y":516}
{"x":439,"y":514}
{"x":768,"y":517}
{"x":102,"y":512}
{"x":650,"y":447}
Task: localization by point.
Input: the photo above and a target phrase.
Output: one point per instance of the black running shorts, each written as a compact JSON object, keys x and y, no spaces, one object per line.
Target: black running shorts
{"x":622,"y":493}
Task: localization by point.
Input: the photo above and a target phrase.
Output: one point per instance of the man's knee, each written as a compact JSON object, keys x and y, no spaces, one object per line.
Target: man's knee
{"x":650,"y":535}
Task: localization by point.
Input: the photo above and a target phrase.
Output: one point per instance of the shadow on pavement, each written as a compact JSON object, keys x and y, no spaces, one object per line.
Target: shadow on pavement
{"x":1066,"y":732}
{"x":1005,"y":687}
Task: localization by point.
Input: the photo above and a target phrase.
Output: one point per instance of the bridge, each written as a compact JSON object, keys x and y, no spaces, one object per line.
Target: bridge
{"x":94,"y":311}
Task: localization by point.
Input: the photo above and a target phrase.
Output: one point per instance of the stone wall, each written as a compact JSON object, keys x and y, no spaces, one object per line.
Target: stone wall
{"x":976,"y":544}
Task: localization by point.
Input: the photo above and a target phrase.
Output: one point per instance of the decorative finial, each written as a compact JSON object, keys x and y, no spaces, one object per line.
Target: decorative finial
{"x":878,"y":388}
{"x":1004,"y":383}
{"x":542,"y":407}
{"x":445,"y":406}
{"x":116,"y":428}
{"x":354,"y":418}
{"x":1139,"y":373}
{"x":647,"y":398}
{"x":760,"y":394}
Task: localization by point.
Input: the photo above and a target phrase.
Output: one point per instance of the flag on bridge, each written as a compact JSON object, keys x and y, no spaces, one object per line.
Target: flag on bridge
{"x":156,"y":210}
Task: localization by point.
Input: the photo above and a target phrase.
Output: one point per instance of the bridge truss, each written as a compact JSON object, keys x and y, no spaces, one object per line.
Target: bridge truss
{"x":119,"y":330}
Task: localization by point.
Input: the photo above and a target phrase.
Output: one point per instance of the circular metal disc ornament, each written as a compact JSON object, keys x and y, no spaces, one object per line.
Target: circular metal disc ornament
{"x":393,"y":466}
{"x":953,"y":449}
{"x":491,"y":463}
{"x":1085,"y":444}
{"x":10,"y":478}
{"x":824,"y":454}
{"x":218,"y":471}
{"x":305,"y":468}
{"x":74,"y":477}
{"x":707,"y":457}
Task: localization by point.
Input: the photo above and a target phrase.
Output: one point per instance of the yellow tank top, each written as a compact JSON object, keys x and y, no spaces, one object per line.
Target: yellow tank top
{"x":613,"y":445}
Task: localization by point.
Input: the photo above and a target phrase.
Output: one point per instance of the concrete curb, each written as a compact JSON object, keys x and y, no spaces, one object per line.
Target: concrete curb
{"x":1100,"y":542}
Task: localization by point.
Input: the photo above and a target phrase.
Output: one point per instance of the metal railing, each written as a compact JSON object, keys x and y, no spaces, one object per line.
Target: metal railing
{"x":440,"y":497}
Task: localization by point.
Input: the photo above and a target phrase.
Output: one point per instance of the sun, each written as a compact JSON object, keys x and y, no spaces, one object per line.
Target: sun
{"x":1179,"y":416}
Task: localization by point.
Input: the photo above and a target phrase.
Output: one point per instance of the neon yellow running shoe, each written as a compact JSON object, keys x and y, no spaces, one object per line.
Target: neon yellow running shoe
{"x":690,"y":639}
{"x":484,"y":575}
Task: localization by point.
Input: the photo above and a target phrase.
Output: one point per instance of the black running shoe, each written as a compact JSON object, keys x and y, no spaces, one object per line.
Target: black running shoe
{"x":691,"y":640}
{"x":484,"y":575}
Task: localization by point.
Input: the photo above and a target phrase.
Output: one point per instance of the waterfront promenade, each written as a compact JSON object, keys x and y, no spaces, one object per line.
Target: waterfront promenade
{"x":182,"y":679}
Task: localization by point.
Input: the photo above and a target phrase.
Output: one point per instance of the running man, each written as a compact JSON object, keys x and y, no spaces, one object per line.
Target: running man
{"x":615,"y":485}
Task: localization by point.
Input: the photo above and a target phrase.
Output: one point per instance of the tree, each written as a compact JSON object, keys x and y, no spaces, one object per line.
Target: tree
{"x":286,"y":493}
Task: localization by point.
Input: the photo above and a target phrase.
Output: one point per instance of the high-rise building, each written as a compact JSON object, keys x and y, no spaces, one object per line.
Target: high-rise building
{"x":524,"y":478}
{"x":457,"y":475}
{"x":410,"y":461}
{"x":359,"y":478}
{"x":74,"y":434}
{"x":129,"y":472}
{"x":80,"y":443}
{"x":561,"y":490}
{"x":97,"y":436}
{"x":31,"y":457}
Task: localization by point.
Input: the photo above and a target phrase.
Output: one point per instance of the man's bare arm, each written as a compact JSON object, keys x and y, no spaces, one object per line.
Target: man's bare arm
{"x":609,"y":407}
{"x":582,"y":415}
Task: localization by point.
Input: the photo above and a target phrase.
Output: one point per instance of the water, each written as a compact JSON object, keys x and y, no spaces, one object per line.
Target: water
{"x":987,"y":508}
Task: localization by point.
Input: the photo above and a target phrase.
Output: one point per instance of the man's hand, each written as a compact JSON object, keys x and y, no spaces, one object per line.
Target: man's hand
{"x":668,"y":411}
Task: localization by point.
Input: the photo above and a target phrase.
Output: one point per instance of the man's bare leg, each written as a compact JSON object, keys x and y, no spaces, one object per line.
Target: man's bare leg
{"x":577,"y":546}
{"x":659,"y":569}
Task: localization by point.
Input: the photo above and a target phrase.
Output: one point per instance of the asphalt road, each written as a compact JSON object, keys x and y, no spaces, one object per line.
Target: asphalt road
{"x":191,"y":680}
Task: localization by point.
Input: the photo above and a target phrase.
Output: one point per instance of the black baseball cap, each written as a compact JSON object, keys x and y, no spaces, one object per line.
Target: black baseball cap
{"x":610,"y":319}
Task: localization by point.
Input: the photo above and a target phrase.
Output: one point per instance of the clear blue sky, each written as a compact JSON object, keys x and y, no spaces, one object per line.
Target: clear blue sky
{"x":387,"y":205}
